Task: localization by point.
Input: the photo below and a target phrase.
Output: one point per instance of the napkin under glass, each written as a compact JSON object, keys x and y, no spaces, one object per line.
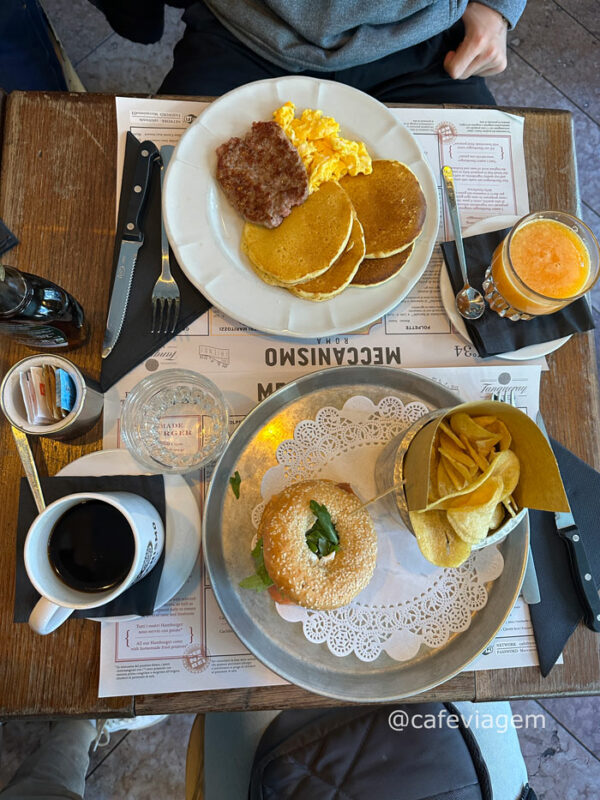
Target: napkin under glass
{"x":492,"y":334}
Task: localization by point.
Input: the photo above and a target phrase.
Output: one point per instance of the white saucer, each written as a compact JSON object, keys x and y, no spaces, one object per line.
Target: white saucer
{"x":183,"y":519}
{"x":447,"y":293}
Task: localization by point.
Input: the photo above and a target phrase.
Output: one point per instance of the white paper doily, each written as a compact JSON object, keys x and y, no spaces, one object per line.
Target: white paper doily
{"x":409,"y":602}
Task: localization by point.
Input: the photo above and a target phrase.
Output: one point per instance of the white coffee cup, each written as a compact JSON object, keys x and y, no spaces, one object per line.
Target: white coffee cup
{"x":58,"y":600}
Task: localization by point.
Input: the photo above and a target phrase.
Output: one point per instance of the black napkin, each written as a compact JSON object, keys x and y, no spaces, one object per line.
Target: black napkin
{"x":557,"y":615}
{"x":491,"y":334}
{"x":136,"y":342}
{"x":139,"y":598}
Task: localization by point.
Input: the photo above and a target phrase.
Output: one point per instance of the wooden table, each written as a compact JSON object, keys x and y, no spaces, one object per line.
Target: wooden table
{"x":57,"y":193}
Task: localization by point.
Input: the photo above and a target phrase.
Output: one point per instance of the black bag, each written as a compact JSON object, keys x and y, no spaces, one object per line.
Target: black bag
{"x":352,"y":753}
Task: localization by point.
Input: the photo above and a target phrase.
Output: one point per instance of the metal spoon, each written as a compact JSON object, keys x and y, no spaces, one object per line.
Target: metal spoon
{"x":469,"y":302}
{"x":29,"y":466}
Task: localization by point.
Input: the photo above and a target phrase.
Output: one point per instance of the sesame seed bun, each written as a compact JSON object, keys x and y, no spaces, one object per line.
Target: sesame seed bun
{"x":311,"y":582}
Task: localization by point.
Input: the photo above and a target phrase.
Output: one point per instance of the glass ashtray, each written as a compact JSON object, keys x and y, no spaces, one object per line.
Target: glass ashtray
{"x":175,"y":421}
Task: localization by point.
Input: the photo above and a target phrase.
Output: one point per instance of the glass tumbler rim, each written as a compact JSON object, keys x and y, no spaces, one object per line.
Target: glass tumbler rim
{"x":573,"y":219}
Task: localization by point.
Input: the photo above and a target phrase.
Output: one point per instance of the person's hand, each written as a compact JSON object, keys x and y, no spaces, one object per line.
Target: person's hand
{"x":483,"y":50}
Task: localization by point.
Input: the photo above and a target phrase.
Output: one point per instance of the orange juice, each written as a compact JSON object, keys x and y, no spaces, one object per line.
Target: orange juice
{"x":542,"y":265}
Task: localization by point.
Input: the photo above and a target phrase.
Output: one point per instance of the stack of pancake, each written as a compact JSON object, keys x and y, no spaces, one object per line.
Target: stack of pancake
{"x":360,"y":232}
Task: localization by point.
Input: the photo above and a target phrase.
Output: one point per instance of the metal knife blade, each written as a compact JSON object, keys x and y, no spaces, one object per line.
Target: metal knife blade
{"x":581,"y":572}
{"x":132,"y":240}
{"x":120,"y":295}
{"x":564,"y":519}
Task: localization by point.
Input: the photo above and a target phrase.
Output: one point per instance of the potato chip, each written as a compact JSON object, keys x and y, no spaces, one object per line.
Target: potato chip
{"x":500,"y":428}
{"x":437,"y":540}
{"x":498,"y":464}
{"x":462,"y":423}
{"x":482,"y":495}
{"x":455,"y":452}
{"x":449,"y":432}
{"x":456,"y":478}
{"x":477,"y":458}
{"x":508,"y":468}
{"x":472,"y":514}
{"x":508,"y":507}
{"x":497,"y":517}
{"x":467,"y":473}
{"x":484,"y":421}
{"x":485,"y":447}
{"x":445,"y":485}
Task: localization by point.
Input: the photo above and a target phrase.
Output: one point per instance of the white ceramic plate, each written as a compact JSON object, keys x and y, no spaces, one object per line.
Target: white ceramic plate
{"x":524,"y":353}
{"x":205,"y":231}
{"x":183,"y":519}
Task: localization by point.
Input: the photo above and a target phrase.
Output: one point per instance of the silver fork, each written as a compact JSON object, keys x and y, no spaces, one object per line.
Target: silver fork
{"x":530,"y":588}
{"x":165,"y":295}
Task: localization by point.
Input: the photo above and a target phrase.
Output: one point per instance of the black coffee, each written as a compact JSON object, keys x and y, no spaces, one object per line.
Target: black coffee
{"x":91,"y":547}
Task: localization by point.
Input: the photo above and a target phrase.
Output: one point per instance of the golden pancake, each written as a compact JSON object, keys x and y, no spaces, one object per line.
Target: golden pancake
{"x":307,"y":242}
{"x":266,"y":278}
{"x":390,"y":206}
{"x":340,"y":273}
{"x":375,"y":271}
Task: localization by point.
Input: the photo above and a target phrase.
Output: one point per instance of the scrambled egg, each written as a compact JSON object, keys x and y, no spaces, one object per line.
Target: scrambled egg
{"x":326,"y":156}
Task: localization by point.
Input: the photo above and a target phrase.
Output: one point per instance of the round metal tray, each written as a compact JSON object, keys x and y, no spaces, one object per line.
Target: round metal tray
{"x":228,"y":531}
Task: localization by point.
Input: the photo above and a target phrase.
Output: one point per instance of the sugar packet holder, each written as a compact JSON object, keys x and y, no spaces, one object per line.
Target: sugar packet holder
{"x":49,"y":394}
{"x":73,"y":389}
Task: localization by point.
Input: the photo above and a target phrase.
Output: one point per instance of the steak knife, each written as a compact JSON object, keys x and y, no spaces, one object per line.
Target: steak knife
{"x":586,"y":586}
{"x":133,"y":239}
{"x":580,"y":569}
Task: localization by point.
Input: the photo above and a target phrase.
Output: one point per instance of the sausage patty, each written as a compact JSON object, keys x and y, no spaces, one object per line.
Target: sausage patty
{"x":262,"y":174}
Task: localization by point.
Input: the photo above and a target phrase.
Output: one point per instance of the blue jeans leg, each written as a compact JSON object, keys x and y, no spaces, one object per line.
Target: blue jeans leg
{"x":27,"y":57}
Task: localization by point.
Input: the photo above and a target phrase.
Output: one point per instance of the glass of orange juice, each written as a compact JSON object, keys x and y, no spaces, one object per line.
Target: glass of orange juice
{"x":549,"y":259}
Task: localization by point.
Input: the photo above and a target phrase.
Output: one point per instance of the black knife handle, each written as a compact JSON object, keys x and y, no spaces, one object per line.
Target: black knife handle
{"x":147,"y":155}
{"x":582,"y":574}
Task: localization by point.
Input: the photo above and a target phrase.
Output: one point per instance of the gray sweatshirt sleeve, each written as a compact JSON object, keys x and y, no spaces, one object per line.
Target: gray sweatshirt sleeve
{"x":511,"y":10}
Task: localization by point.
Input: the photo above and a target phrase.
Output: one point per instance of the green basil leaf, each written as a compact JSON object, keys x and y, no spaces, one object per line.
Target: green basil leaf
{"x":255,"y":583}
{"x":258,"y":554}
{"x":326,"y":526}
{"x":235,"y":482}
{"x":260,"y":580}
{"x":322,"y":537}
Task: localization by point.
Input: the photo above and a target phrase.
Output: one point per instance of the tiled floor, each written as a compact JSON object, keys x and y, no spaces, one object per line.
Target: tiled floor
{"x":554,"y":61}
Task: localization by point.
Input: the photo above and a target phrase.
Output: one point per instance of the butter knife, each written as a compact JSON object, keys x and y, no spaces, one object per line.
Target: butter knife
{"x":586,"y":586}
{"x":133,"y":239}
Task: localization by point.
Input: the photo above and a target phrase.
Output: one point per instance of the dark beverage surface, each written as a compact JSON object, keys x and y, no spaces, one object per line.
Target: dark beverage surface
{"x":91,"y":547}
{"x":38,"y":313}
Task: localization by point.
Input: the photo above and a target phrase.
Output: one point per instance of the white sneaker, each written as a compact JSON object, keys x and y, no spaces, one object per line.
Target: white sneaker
{"x":107,"y":726}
